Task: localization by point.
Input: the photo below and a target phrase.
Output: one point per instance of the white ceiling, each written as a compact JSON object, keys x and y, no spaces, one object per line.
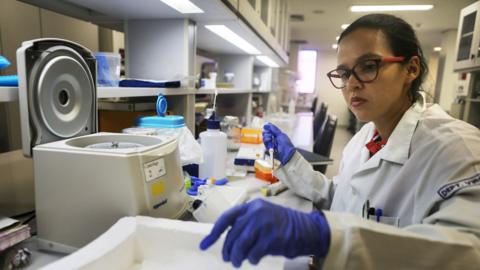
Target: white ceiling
{"x":320,"y":30}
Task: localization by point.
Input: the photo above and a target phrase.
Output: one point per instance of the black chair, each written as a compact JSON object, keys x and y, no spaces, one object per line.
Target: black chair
{"x":319,"y":119}
{"x":314,"y":105}
{"x":324,"y":141}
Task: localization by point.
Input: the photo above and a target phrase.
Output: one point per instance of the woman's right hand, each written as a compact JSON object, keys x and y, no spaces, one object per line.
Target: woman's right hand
{"x":274,"y":138}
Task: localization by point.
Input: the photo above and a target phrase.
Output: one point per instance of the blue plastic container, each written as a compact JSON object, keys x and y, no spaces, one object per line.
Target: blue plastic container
{"x":161,"y":120}
{"x":168,"y":121}
{"x":108,"y":68}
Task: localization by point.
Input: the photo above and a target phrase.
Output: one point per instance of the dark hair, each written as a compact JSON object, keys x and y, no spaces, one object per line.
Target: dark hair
{"x":401,"y":37}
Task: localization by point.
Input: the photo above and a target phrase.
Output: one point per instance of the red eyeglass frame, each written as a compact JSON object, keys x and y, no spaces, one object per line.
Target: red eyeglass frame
{"x":391,"y":59}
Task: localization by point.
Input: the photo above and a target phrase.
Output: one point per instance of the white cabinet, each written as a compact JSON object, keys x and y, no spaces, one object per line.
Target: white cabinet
{"x":468,"y":40}
{"x":471,"y":113}
{"x":233,"y":3}
{"x":160,"y":43}
{"x":269,"y":18}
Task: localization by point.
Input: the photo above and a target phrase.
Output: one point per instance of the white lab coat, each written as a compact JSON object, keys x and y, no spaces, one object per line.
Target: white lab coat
{"x":426,"y":179}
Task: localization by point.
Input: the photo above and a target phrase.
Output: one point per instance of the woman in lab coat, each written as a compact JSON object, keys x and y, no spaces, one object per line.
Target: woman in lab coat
{"x":412,"y":166}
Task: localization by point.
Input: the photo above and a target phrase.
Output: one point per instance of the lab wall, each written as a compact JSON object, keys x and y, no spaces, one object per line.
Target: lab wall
{"x":20,"y":22}
{"x":326,"y":61}
{"x":431,"y":78}
{"x":447,"y":79}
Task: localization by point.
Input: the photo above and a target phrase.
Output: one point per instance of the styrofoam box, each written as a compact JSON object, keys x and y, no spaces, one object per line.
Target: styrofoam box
{"x":154,"y":243}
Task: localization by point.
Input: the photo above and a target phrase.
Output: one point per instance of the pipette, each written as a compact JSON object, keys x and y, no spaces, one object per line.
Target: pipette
{"x":270,"y":151}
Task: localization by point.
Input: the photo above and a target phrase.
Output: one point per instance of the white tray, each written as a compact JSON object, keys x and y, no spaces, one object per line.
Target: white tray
{"x":154,"y":243}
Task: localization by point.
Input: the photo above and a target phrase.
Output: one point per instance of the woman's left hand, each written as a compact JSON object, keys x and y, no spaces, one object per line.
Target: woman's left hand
{"x":260,"y":228}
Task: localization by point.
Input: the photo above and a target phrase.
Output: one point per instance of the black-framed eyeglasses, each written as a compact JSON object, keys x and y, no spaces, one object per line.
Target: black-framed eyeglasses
{"x":365,"y":71}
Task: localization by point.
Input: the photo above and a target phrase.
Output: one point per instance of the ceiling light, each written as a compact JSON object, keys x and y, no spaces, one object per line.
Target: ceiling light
{"x":183,"y":6}
{"x":267,"y":61}
{"x":337,"y":38}
{"x":230,"y":36}
{"x":298,"y":41}
{"x":335,"y":46}
{"x":297,"y":18}
{"x":437,"y":49}
{"x":368,"y":8}
{"x":344,"y":26}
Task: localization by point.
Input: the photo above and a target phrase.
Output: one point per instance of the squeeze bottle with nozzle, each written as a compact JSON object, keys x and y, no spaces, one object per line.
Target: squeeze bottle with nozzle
{"x":214,"y":148}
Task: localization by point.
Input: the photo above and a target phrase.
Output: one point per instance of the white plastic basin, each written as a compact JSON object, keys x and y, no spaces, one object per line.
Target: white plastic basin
{"x":154,"y":243}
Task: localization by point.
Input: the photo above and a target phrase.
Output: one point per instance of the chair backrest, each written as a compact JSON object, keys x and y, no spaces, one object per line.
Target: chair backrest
{"x":324,"y":141}
{"x":319,"y":119}
{"x":314,"y":105}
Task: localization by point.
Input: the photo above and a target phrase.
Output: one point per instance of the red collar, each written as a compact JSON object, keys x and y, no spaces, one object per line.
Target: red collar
{"x":376,"y":143}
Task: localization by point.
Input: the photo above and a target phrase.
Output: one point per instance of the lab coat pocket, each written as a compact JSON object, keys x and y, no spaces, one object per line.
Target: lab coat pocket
{"x":394,"y":221}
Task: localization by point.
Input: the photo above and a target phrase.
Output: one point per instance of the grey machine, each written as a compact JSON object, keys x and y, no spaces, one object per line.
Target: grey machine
{"x":85,"y":181}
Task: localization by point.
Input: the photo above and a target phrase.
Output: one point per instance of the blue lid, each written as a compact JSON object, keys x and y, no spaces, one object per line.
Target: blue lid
{"x":162,"y":105}
{"x":4,"y":62}
{"x":213,"y":124}
{"x":161,"y":121}
{"x":169,"y":121}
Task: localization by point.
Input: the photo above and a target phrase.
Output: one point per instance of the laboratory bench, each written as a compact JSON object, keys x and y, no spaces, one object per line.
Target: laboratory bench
{"x":288,"y":198}
{"x":301,"y":137}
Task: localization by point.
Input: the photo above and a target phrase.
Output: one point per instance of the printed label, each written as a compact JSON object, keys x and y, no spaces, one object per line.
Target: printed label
{"x":154,"y":169}
{"x":448,"y":190}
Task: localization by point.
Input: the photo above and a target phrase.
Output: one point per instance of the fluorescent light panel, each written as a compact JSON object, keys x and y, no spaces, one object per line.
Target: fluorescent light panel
{"x":230,"y":36}
{"x":372,"y":8}
{"x":183,"y":6}
{"x":335,"y":46}
{"x":267,"y":61}
{"x":344,"y":26}
{"x":437,"y":49}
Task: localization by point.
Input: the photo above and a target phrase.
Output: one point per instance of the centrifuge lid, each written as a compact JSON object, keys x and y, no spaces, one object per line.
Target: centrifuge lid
{"x":57,"y":91}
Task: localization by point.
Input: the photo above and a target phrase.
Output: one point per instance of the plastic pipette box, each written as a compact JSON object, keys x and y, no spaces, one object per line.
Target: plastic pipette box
{"x":251,"y":135}
{"x":264,"y":171}
{"x":108,"y":68}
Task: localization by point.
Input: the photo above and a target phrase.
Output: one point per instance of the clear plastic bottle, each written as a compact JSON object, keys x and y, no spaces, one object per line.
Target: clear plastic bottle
{"x":214,"y":149}
{"x":291,"y":107}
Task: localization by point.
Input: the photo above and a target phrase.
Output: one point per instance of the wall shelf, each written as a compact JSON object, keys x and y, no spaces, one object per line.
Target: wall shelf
{"x":222,"y":91}
{"x":8,"y":94}
{"x":241,"y":108}
{"x":183,"y":99}
{"x":114,"y":92}
{"x":258,"y":91}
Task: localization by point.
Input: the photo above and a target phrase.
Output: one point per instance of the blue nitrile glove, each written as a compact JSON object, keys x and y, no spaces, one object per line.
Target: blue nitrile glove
{"x":282,"y":146}
{"x":261,"y":228}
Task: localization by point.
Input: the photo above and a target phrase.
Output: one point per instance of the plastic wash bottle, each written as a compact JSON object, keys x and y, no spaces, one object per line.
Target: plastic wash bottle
{"x":214,"y":148}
